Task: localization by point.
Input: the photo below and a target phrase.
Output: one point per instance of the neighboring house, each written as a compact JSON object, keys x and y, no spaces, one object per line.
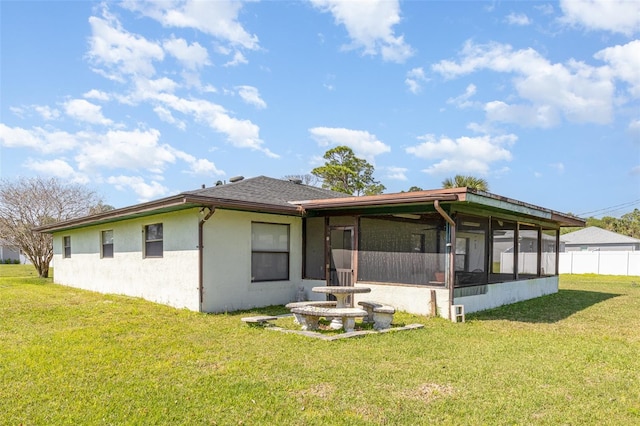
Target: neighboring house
{"x":8,"y":253}
{"x":597,"y":239}
{"x":257,"y":242}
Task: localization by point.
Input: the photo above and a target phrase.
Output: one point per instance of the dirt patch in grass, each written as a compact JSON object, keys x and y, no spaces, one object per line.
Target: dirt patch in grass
{"x":429,"y":392}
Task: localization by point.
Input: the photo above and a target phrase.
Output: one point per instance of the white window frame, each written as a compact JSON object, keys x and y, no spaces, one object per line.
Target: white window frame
{"x":263,"y":249}
{"x":149,"y":243}
{"x":103,"y":244}
{"x":66,"y":246}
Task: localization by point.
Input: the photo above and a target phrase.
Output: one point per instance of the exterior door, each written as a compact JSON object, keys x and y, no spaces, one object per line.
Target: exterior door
{"x":341,"y":255}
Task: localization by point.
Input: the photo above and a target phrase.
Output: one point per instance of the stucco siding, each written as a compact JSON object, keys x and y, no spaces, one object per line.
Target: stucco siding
{"x":227,"y":263}
{"x":171,"y":279}
{"x":412,"y":299}
{"x":507,"y":293}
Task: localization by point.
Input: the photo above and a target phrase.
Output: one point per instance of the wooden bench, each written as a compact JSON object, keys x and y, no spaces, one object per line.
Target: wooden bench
{"x":320,"y":303}
{"x":261,"y":320}
{"x":379,"y":314}
{"x":310,"y":316}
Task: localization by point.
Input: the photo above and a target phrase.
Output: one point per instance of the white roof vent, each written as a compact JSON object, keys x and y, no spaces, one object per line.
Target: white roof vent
{"x":236,"y":179}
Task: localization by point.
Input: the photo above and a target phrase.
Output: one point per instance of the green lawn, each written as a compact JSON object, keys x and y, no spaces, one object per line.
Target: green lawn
{"x":75,"y":357}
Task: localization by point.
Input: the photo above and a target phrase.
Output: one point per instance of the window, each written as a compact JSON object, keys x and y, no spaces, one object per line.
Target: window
{"x":66,"y":247}
{"x":153,"y":240}
{"x":107,"y":243}
{"x":269,"y":252}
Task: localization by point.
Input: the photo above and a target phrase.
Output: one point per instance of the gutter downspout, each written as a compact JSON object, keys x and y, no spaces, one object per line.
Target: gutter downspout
{"x":451,"y":246}
{"x":212,"y":210}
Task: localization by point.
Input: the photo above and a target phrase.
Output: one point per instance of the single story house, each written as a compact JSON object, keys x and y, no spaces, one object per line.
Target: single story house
{"x":261,"y":241}
{"x":8,"y":253}
{"x":594,"y":238}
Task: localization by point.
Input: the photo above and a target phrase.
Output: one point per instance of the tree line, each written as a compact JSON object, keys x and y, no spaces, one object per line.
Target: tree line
{"x":628,"y":224}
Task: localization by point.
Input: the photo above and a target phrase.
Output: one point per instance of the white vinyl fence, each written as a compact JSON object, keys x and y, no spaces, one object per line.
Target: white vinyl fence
{"x":600,"y":262}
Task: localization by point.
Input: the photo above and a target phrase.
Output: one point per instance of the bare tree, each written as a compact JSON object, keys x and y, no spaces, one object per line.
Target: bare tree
{"x":28,"y":203}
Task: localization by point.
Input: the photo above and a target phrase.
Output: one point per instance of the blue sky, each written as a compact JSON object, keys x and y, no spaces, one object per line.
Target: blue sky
{"x":141,"y":100}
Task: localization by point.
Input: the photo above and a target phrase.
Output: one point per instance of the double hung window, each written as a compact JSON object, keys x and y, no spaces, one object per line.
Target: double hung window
{"x":153,"y":240}
{"x":107,"y":243}
{"x":269,"y":252}
{"x":66,"y":247}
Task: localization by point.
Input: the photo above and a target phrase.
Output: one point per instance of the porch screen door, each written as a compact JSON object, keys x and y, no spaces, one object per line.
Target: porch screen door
{"x":341,"y":255}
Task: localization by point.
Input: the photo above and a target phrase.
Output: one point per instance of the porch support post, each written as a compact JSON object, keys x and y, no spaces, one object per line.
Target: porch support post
{"x":327,"y":254}
{"x":451,"y":251}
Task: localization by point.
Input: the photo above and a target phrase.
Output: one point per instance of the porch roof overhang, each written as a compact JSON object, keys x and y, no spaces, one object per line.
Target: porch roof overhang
{"x":454,"y":198}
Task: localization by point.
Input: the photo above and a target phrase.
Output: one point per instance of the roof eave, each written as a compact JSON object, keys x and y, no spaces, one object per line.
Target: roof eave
{"x":178,"y":202}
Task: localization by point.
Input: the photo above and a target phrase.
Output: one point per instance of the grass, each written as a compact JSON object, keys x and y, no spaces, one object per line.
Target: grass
{"x":69,"y":356}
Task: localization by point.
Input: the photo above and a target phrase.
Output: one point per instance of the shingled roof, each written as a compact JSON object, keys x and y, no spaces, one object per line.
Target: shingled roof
{"x":595,"y":235}
{"x":266,"y":190}
{"x":258,"y":194}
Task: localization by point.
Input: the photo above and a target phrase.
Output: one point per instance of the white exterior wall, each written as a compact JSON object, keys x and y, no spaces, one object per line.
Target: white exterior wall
{"x":507,"y":293}
{"x":417,"y":299}
{"x":171,"y":279}
{"x":412,"y":299}
{"x":227,"y":263}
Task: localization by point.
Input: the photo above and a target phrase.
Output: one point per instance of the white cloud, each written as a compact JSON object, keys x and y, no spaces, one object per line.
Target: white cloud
{"x":579,"y":92}
{"x":57,"y":168}
{"x":38,"y":139}
{"x":473,"y":155}
{"x":203,"y":166}
{"x":251,"y":95}
{"x":199,"y":166}
{"x":414,"y":80}
{"x":120,"y":52}
{"x":145,"y":191}
{"x":625,"y":63}
{"x":240,"y":133}
{"x":193,"y":56}
{"x":46,"y":112}
{"x":97,"y":95}
{"x":618,"y":16}
{"x":370,"y":26}
{"x":217,"y":18}
{"x":165,"y":115}
{"x":463,"y":101}
{"x":361,"y":142}
{"x":238,"y":58}
{"x":133,"y":150}
{"x":519,"y":19}
{"x":85,"y":111}
{"x":542,"y":116}
{"x":396,"y":173}
{"x":149,"y":89}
